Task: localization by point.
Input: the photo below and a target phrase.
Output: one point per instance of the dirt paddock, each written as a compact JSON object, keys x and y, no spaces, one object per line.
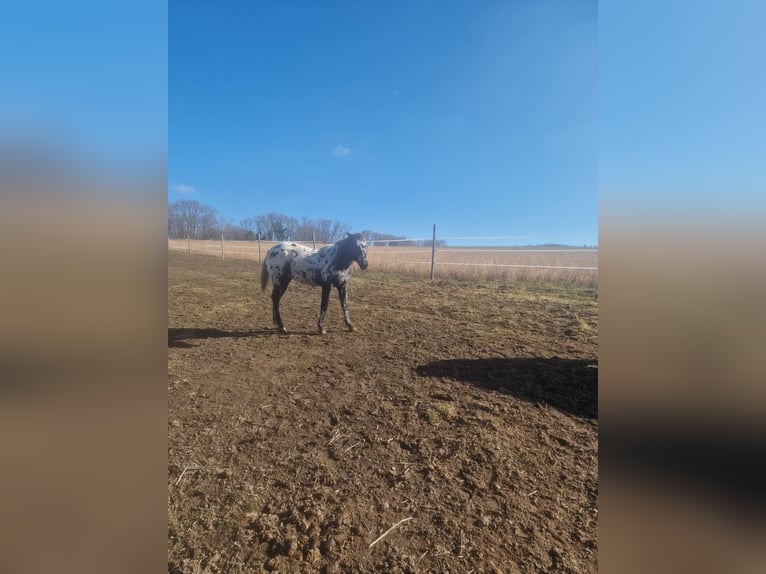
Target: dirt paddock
{"x":462,"y":415}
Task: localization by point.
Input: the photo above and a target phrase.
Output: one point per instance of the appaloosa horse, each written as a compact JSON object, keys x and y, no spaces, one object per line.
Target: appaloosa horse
{"x":329,"y":267}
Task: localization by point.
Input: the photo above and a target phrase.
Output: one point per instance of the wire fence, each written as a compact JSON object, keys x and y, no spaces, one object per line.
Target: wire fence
{"x":569,"y":265}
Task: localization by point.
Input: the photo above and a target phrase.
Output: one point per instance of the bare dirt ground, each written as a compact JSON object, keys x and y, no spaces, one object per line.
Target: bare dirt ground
{"x":464,"y":413}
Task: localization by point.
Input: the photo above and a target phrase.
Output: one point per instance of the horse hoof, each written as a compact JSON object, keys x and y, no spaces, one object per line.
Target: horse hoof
{"x":322,"y":332}
{"x":282,"y":330}
{"x":351,"y":328}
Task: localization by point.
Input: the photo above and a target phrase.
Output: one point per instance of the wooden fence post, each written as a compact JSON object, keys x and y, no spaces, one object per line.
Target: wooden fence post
{"x":222,"y":246}
{"x":259,"y":247}
{"x":433,"y":253}
{"x":188,"y":242}
{"x":314,"y":237}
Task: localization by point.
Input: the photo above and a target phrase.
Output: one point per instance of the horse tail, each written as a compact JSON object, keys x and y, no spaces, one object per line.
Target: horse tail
{"x":264,"y":275}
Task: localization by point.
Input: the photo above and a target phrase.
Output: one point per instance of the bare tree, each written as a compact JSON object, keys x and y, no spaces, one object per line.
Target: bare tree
{"x":259,"y":225}
{"x":272,"y":226}
{"x":189,"y":219}
{"x":329,"y":231}
{"x":323,"y":230}
{"x":304,"y":230}
{"x":234,"y":232}
{"x":250,"y":225}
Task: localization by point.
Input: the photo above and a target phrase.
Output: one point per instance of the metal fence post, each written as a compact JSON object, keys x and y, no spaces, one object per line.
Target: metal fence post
{"x":433,"y":253}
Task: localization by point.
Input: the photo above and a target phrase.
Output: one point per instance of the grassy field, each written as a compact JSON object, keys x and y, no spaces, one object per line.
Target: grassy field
{"x":561,"y":266}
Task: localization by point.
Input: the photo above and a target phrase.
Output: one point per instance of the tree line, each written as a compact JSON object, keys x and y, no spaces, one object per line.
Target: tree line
{"x":190,"y":219}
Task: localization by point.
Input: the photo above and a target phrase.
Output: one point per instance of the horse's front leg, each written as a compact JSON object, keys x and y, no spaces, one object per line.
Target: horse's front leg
{"x":326,"y":288}
{"x":276,"y":295}
{"x":343,"y":296}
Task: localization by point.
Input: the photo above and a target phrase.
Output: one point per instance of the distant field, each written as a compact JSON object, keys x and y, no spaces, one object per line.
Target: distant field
{"x":570,"y":266}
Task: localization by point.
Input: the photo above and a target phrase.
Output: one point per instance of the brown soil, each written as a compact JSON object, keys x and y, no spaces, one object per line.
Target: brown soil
{"x":467,"y":411}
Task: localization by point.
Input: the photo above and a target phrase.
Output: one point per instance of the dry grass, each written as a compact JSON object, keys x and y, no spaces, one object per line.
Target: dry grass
{"x":567,"y":266}
{"x":488,"y":263}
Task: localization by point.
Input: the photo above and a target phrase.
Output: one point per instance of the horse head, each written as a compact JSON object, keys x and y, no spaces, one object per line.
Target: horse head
{"x":359,"y":249}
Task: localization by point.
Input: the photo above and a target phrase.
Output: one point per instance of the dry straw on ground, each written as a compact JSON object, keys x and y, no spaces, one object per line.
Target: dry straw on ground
{"x":568,"y":266}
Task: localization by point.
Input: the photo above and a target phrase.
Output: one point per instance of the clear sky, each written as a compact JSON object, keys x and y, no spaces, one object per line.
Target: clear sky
{"x":480,"y":117}
{"x":88,"y":78}
{"x":682,"y":107}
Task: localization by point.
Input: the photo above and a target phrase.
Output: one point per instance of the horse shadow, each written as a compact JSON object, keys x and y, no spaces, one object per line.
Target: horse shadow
{"x":568,"y":385}
{"x":178,"y":337}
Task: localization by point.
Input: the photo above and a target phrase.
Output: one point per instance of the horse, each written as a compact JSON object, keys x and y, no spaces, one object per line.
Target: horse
{"x":329,"y":267}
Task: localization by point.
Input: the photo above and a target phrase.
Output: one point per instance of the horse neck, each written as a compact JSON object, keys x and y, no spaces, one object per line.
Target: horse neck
{"x":345,"y":256}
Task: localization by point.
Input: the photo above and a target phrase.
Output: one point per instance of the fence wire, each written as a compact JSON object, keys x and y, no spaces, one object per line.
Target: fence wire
{"x":381,"y":252}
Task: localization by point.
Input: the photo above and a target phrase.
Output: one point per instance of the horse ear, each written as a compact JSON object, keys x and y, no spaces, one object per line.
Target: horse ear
{"x":348,"y":234}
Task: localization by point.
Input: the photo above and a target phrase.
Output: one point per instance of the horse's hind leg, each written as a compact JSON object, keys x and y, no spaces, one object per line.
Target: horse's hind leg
{"x":343,"y":296}
{"x":323,"y":309}
{"x":276,"y":295}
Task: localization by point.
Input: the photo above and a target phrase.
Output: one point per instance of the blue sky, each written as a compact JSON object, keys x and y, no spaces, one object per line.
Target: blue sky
{"x":480,"y":117}
{"x":682,"y":108}
{"x":89,"y":78}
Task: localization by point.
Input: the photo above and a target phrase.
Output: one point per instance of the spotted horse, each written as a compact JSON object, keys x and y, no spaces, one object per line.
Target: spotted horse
{"x":328,"y":267}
